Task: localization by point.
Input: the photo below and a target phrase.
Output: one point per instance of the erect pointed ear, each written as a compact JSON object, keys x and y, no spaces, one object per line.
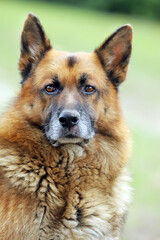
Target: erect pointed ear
{"x":114,"y":54}
{"x":34,"y":45}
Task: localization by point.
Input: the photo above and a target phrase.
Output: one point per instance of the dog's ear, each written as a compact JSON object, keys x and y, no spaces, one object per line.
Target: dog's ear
{"x":114,"y":54}
{"x":34,"y":44}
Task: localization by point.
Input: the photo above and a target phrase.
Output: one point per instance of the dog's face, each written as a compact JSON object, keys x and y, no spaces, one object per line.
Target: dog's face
{"x":72,"y":96}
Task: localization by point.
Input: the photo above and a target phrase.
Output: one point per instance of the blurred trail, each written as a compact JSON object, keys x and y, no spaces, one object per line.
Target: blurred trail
{"x":137,"y":113}
{"x":6,"y":94}
{"x":146,"y":228}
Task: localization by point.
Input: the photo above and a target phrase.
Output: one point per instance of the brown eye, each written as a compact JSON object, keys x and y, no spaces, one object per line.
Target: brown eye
{"x":89,"y":89}
{"x":51,"y":89}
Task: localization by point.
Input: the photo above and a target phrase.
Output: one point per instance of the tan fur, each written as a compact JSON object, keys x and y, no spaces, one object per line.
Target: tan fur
{"x":73,"y":191}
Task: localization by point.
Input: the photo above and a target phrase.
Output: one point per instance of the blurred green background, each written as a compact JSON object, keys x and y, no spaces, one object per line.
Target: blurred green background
{"x":82,"y":26}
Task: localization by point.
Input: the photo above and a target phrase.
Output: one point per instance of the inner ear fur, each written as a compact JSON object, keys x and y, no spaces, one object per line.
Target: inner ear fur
{"x":34,"y":44}
{"x":114,"y":54}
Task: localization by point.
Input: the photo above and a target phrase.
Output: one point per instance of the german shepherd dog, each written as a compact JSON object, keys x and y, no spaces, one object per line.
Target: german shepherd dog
{"x":64,"y":145}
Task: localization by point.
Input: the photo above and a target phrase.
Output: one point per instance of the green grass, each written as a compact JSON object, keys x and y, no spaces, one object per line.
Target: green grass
{"x":76,"y":29}
{"x":144,"y":166}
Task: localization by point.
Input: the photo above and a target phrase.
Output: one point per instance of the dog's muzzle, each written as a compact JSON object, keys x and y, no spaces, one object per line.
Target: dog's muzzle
{"x":69,"y":126}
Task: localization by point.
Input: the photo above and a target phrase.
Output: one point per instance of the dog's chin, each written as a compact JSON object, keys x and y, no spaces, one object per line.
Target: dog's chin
{"x":69,"y":140}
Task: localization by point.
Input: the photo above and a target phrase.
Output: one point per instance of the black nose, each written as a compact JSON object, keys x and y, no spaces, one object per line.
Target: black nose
{"x":68,"y":119}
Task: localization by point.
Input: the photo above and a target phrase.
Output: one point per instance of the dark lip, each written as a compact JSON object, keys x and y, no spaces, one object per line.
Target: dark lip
{"x":70,"y":136}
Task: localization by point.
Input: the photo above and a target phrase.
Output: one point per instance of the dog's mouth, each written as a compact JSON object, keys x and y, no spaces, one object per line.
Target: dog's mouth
{"x":78,"y":133}
{"x":69,"y":139}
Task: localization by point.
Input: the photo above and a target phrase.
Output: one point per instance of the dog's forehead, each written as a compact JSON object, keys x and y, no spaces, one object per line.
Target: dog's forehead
{"x":69,"y":67}
{"x":71,"y":60}
{"x":65,"y":64}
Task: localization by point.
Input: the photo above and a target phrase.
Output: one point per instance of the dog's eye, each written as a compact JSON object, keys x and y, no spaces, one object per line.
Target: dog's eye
{"x":51,"y":88}
{"x":89,"y":89}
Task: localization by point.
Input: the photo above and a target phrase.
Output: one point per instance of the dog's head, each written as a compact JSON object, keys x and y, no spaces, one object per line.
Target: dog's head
{"x":72,"y":96}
